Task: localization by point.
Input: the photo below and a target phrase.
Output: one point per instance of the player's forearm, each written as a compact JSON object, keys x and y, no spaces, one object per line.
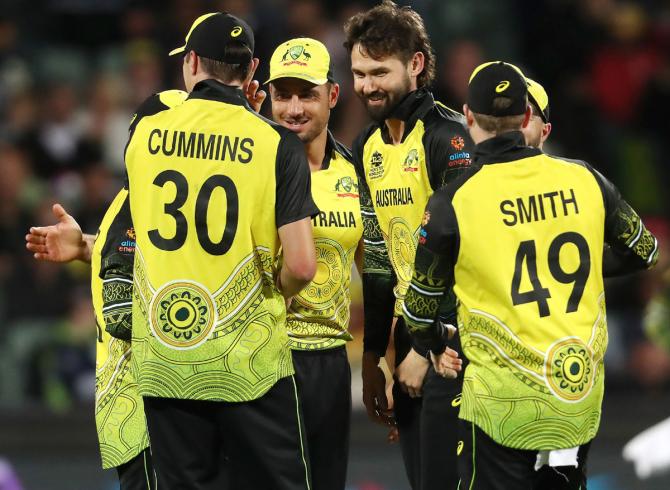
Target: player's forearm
{"x":290,"y":282}
{"x":428,"y":297}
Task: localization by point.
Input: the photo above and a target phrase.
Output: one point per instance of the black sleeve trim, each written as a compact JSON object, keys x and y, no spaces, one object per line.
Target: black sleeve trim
{"x":293,"y":182}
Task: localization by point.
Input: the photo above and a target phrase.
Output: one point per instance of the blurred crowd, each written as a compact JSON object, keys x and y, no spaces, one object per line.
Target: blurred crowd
{"x":72,"y":72}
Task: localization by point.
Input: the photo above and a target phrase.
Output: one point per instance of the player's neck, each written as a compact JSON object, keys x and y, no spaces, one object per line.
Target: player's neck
{"x":316,"y":150}
{"x":396,"y":129}
{"x":478,"y":134}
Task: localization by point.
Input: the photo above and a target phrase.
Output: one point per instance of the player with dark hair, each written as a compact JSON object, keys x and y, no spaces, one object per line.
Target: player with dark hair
{"x":414,"y":147}
{"x":303,"y":92}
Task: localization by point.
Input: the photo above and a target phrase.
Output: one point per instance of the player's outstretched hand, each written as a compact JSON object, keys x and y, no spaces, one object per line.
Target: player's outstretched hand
{"x":411,"y":373}
{"x":374,"y":391}
{"x":447,"y":364}
{"x":254,"y":96}
{"x":62,"y":242}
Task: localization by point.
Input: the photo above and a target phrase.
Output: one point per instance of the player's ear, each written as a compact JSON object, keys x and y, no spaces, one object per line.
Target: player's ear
{"x":333,"y":95}
{"x":546,"y":131}
{"x":416,"y":64}
{"x":469,"y":118}
{"x":526,"y":119}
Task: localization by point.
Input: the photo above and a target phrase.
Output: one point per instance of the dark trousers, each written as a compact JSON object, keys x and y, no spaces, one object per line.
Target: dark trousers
{"x":484,"y":464}
{"x":324,"y":386}
{"x":439,"y":432}
{"x":428,"y":426}
{"x":138,"y":473}
{"x":264,"y":439}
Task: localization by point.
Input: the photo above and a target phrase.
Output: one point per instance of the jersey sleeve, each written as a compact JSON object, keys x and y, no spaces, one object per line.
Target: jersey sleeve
{"x":378,"y":275}
{"x":116,"y":272}
{"x":629,"y":245}
{"x":430,"y":297}
{"x":293,"y":180}
{"x":449,"y":147}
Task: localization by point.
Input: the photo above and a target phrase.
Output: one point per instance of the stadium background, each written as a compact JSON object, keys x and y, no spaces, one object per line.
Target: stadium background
{"x":71,"y":73}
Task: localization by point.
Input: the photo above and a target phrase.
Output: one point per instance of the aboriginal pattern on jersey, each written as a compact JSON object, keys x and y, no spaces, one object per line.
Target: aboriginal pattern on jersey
{"x":570,"y":370}
{"x":119,"y":411}
{"x":318,"y":317}
{"x":399,"y":190}
{"x":232,"y":334}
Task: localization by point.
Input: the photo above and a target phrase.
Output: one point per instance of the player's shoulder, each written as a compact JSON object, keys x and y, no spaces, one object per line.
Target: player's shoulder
{"x":573,"y":164}
{"x":450,"y":190}
{"x":156,"y":103}
{"x":342,"y":150}
{"x":441,"y":115}
{"x":358,"y":146}
{"x":446,"y":128}
{"x":364,"y":136}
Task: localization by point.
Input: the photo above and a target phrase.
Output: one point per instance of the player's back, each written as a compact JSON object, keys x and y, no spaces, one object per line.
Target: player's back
{"x":202,"y":179}
{"x":529,"y":280}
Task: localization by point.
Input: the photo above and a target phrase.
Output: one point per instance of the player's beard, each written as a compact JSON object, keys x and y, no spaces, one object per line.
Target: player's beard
{"x":391,"y":99}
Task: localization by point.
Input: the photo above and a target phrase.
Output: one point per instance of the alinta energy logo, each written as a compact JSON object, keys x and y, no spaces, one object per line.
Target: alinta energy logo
{"x":411,"y":163}
{"x":346,"y":187}
{"x":293,"y":55}
{"x":457,"y":142}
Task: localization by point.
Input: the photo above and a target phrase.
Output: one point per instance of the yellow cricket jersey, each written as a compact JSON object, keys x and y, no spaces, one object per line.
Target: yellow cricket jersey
{"x":119,"y":411}
{"x":524,"y":233}
{"x":318,"y":317}
{"x":210,"y":182}
{"x":396,"y":182}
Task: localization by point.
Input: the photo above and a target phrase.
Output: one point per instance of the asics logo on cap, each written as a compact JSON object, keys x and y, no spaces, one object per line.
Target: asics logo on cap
{"x":502,"y":86}
{"x":236,"y":32}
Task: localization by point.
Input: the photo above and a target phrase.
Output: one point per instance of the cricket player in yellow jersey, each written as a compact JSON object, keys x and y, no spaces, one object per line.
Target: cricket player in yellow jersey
{"x":119,"y":410}
{"x":414,"y":147}
{"x":215,"y":190}
{"x":303,"y":92}
{"x":519,"y":240}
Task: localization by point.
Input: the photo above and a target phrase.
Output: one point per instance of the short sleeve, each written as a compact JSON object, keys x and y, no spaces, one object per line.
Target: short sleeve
{"x":293,"y":179}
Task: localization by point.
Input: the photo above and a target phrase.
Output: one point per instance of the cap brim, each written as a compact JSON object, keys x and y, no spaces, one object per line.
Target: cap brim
{"x":301,"y":76}
{"x":177,"y":50}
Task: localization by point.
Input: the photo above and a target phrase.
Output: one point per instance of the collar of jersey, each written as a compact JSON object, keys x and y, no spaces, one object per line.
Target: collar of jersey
{"x":506,"y":147}
{"x":410,"y":109}
{"x":214,"y":90}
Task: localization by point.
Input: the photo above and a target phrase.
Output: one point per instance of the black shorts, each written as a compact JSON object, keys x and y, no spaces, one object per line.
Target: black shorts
{"x":138,"y":473}
{"x":324,"y":386}
{"x":262,"y":439}
{"x":428,"y":426}
{"x":483,"y":464}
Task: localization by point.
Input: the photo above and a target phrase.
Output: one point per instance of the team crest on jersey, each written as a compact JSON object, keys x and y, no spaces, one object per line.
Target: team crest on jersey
{"x":376,"y":166}
{"x":182,"y":315}
{"x":411,"y":163}
{"x":346,"y":187}
{"x":293,"y":55}
{"x":457,"y":142}
{"x":130,"y":233}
